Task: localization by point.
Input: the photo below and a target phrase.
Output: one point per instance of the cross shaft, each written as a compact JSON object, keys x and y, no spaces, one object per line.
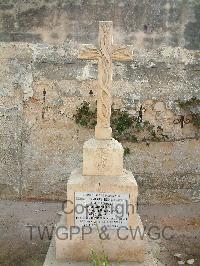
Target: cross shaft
{"x":105,"y":53}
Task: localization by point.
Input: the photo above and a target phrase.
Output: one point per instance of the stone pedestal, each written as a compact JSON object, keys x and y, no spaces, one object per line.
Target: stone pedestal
{"x":102,"y":157}
{"x":120,"y":245}
{"x":113,"y":185}
{"x":51,"y":259}
{"x":104,"y":133}
{"x":101,"y":199}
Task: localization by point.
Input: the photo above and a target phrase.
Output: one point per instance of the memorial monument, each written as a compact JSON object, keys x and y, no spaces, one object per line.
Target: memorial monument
{"x":101,"y":210}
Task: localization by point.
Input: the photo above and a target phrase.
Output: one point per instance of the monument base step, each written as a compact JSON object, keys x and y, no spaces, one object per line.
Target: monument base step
{"x":75,"y":250}
{"x":51,"y":260}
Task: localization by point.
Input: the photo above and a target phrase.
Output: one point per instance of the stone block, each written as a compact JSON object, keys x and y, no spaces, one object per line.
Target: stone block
{"x":124,"y":184}
{"x":102,"y":157}
{"x":103,"y":133}
{"x":120,"y":245}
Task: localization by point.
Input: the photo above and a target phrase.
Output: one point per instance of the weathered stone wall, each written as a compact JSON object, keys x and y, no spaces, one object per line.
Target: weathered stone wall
{"x":40,"y":142}
{"x":148,"y":23}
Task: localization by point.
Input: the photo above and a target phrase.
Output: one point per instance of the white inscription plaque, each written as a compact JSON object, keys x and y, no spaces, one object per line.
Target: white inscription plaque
{"x":105,"y":209}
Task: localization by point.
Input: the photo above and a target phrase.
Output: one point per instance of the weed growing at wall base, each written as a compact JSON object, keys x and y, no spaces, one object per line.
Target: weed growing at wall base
{"x":126,"y":127}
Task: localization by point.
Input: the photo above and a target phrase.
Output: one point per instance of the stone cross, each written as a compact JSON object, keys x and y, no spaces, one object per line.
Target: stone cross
{"x":105,"y":53}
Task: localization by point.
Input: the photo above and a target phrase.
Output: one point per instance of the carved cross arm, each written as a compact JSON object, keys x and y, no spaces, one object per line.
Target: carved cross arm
{"x":122,"y":52}
{"x":89,"y":51}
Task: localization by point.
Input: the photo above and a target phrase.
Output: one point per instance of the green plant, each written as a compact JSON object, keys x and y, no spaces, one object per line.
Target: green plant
{"x":196,"y":120}
{"x":125,"y":126}
{"x":120,"y":120}
{"x":126,"y":151}
{"x":188,"y":106}
{"x":101,"y":260}
{"x":85,"y":116}
{"x":132,"y":138}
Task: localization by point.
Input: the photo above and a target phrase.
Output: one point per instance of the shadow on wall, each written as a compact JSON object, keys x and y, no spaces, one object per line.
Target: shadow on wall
{"x":148,"y":24}
{"x":192,"y":30}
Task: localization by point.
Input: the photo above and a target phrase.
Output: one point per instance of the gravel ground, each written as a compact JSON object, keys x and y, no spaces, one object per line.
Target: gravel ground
{"x":172,"y":229}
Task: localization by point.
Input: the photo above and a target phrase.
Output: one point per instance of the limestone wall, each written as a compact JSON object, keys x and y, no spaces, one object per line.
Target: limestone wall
{"x":40,"y":143}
